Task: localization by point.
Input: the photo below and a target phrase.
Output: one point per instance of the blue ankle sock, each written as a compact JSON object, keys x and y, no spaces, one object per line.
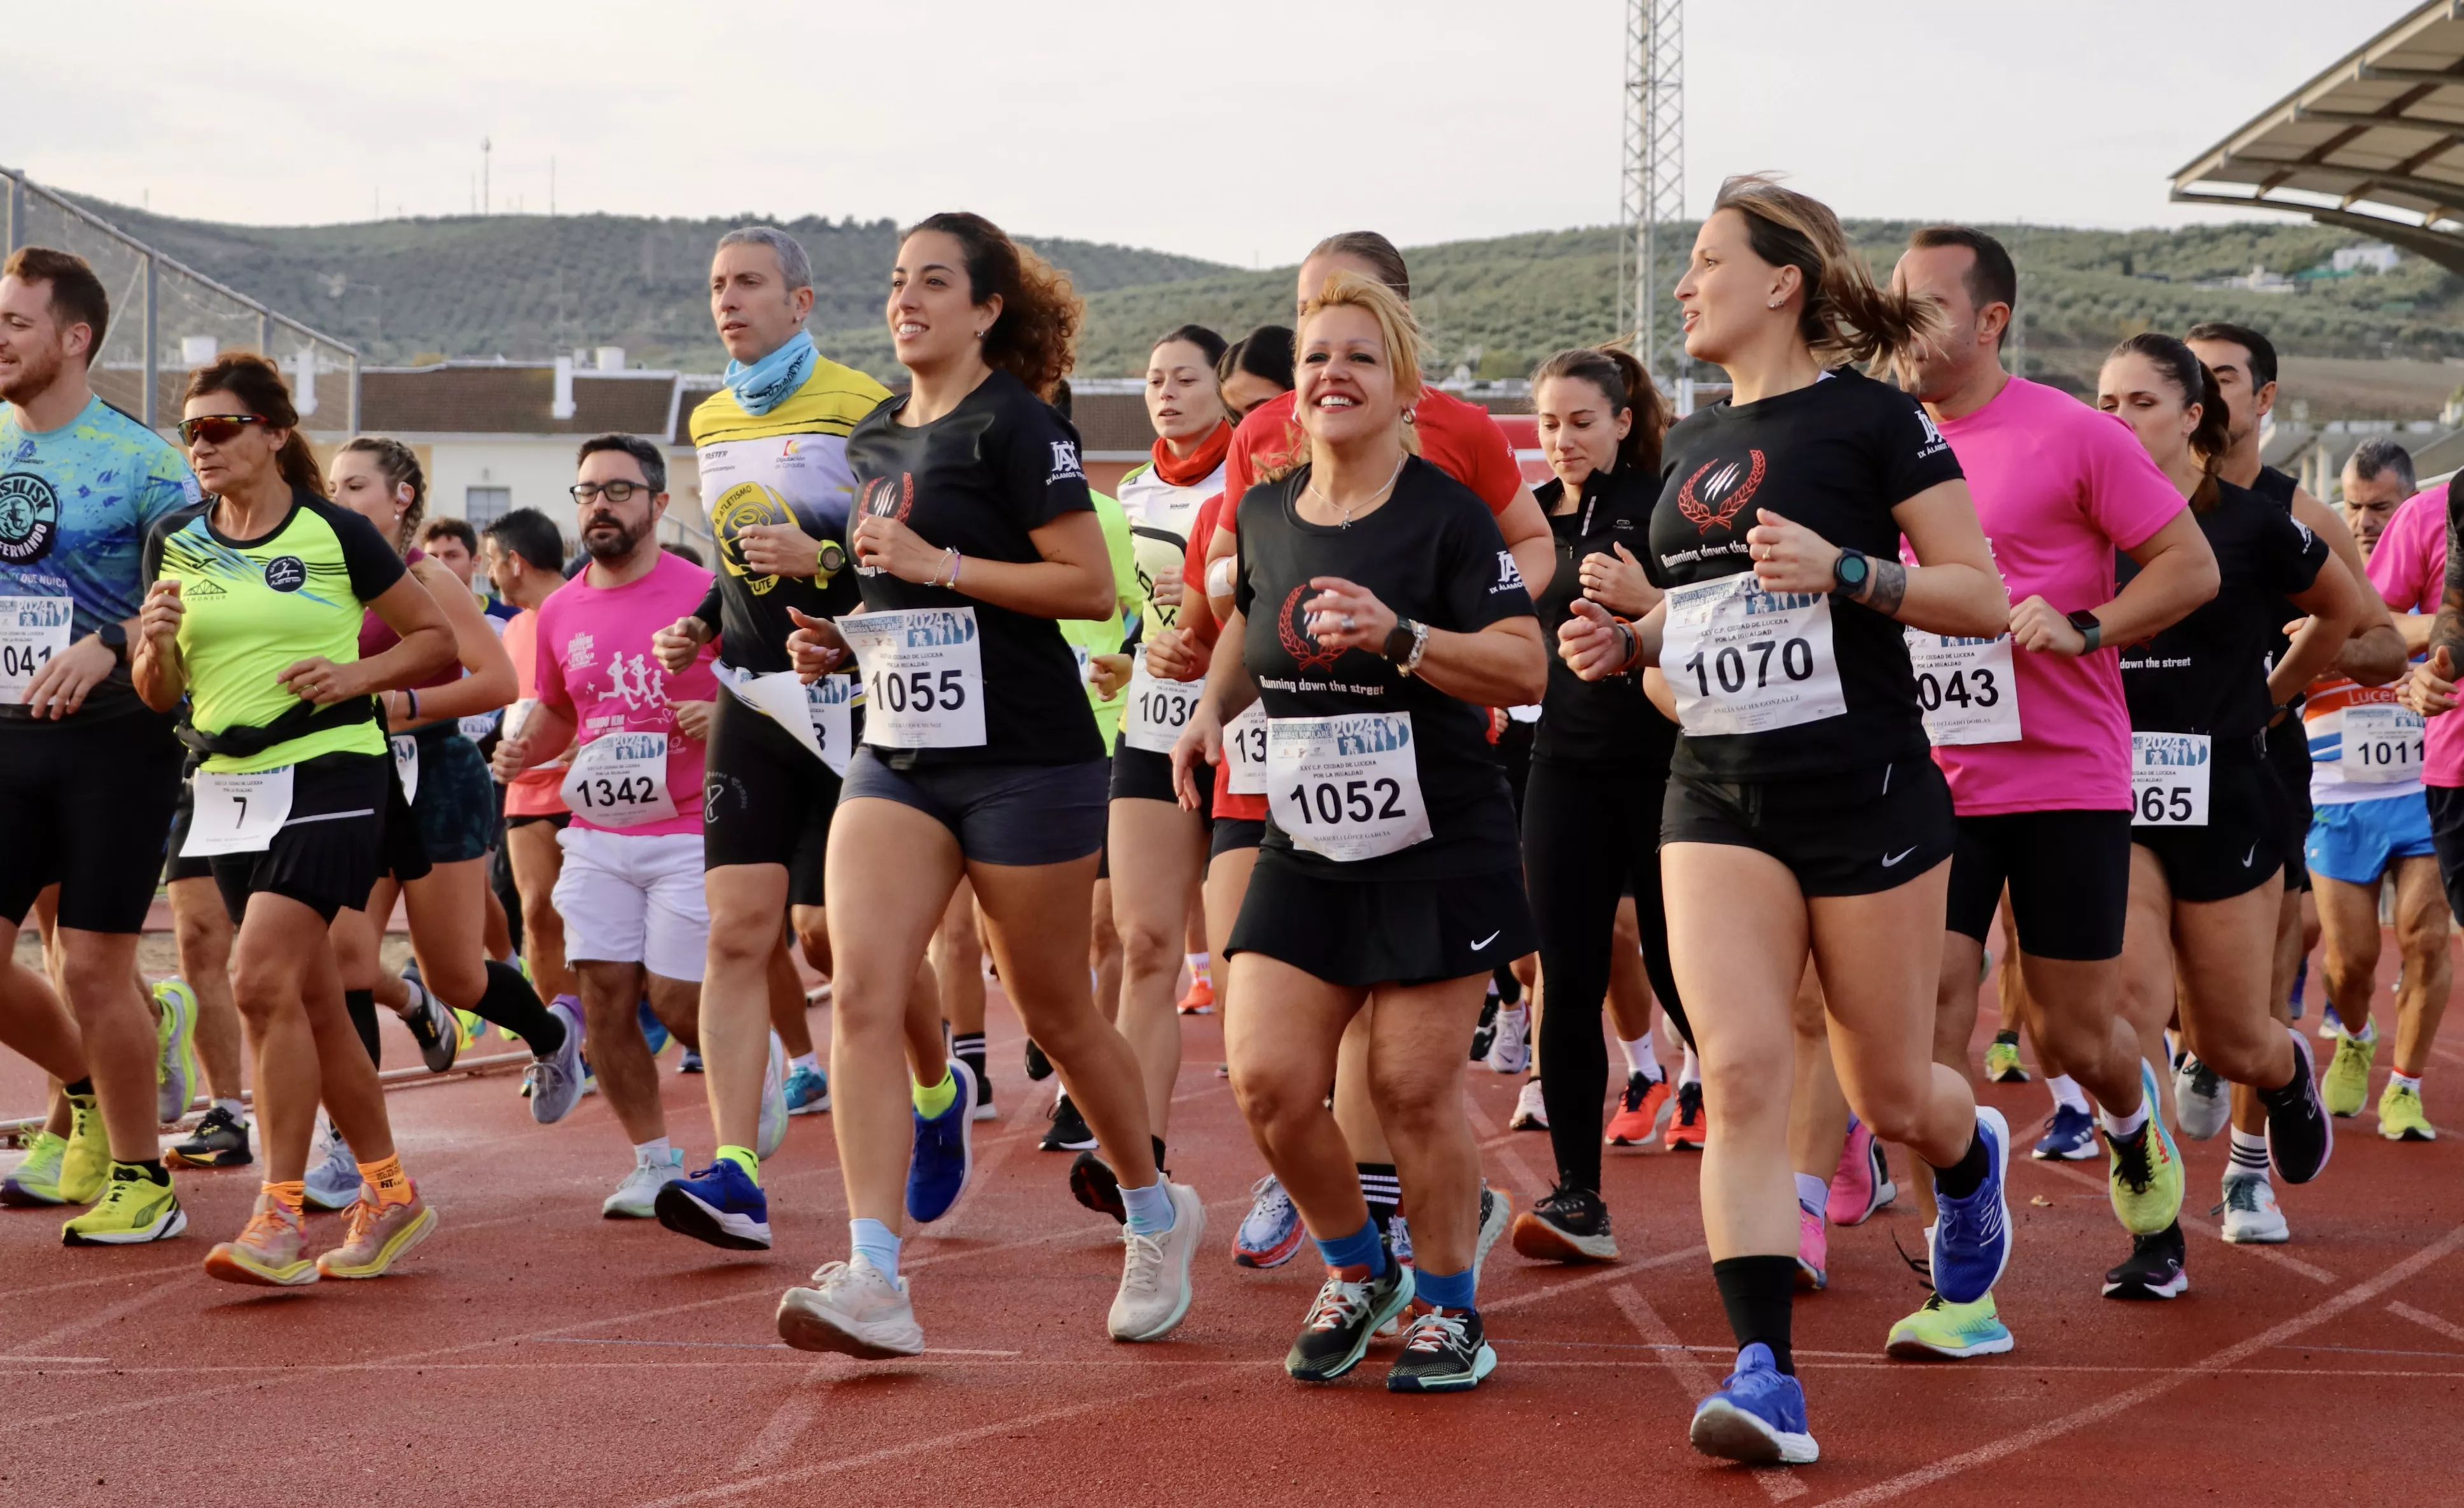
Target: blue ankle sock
{"x":1150,"y":1208}
{"x":872,"y":1241}
{"x":1360,"y":1249}
{"x":1445,"y":1290}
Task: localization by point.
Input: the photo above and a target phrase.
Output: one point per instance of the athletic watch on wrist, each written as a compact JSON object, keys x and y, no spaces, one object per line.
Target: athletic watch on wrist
{"x":115,"y":638}
{"x":833,"y":558}
{"x":1405,"y":643}
{"x":1850,"y":572}
{"x":2086,"y":622}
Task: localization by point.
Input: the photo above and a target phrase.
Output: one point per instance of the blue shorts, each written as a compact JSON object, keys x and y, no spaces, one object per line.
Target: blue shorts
{"x":1023,"y":814}
{"x":2357,"y":841}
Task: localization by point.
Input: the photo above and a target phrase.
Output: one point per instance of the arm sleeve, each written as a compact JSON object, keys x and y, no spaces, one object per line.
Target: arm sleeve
{"x":1476,"y":574}
{"x":1910,"y":453}
{"x":1491,"y":468}
{"x":1201,"y":533}
{"x":373,"y":565}
{"x":1040,"y":476}
{"x":2129,"y":498}
{"x":547,"y":672}
{"x":2294,"y":556}
{"x":1241,"y":592}
{"x":1240,"y":471}
{"x":709,"y":611}
{"x":2399,"y":567}
{"x":171,"y":488}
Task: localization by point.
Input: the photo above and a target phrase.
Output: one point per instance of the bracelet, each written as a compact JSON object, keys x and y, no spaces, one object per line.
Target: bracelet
{"x":948,"y":574}
{"x":412,"y":698}
{"x":1633,"y":645}
{"x":956,"y":561}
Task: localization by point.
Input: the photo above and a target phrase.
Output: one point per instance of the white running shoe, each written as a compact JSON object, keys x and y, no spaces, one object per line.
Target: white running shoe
{"x":774,"y":1100}
{"x":853,"y":1309}
{"x":553,"y":1082}
{"x":1154,"y":1271}
{"x":175,"y":1068}
{"x":2202,"y":1103}
{"x":1510,"y":1053}
{"x":333,"y":1183}
{"x":1531,"y":1109}
{"x":635,"y":1198}
{"x":1496,"y":1213}
{"x":2251,"y":1213}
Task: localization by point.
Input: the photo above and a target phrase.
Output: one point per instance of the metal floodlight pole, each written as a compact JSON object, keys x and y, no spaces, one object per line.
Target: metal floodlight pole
{"x":16,"y":214}
{"x":1654,"y":183}
{"x":153,"y":305}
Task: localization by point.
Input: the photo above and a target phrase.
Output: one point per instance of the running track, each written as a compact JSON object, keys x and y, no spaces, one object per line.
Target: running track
{"x":534,"y":1354}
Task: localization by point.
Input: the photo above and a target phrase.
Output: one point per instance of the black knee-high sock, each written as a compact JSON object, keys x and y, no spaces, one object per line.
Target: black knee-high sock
{"x":511,"y":1003}
{"x":1757,"y":1292}
{"x":1383,"y":1190}
{"x":361,"y":1004}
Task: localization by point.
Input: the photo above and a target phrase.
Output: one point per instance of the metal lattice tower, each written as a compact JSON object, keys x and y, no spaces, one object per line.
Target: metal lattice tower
{"x":1654,"y":184}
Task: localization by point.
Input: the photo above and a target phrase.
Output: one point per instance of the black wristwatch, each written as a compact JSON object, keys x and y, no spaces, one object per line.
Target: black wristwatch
{"x":1850,"y":572}
{"x":115,"y":638}
{"x":2086,"y":622}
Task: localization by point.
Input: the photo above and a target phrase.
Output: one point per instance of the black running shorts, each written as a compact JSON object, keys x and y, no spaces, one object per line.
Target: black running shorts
{"x":2243,"y":841}
{"x":2447,"y":836}
{"x":1857,"y":833}
{"x":1232,"y":834}
{"x":2069,"y":874}
{"x":176,"y":866}
{"x":765,"y":800}
{"x":2288,"y":755}
{"x":1390,"y":931}
{"x":84,"y":805}
{"x":325,"y":856}
{"x":1145,"y":775}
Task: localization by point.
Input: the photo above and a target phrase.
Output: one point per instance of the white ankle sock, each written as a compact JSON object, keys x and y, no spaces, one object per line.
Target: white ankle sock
{"x":2067,"y":1092}
{"x":1692,"y":1071}
{"x":2126,"y":1126}
{"x":1640,"y":1057}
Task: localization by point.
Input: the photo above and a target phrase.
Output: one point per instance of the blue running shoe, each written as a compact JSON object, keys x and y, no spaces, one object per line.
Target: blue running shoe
{"x":2070,"y":1135}
{"x":945,"y":1152}
{"x":719,"y":1205}
{"x":655,"y":1031}
{"x":1757,"y":1416}
{"x":809,"y":1091}
{"x":690,"y":1063}
{"x":1971,"y":1240}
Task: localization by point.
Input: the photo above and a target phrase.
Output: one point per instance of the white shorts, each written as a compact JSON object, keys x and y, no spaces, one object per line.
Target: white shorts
{"x":629,"y":899}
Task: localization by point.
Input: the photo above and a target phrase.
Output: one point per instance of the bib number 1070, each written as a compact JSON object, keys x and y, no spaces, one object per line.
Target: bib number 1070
{"x":1729,"y":665}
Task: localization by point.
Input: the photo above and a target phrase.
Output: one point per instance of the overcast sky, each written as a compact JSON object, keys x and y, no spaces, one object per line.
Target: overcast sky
{"x":1240,"y":132}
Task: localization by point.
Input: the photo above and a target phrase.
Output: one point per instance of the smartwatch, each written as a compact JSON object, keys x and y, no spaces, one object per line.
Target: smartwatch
{"x":833,"y":558}
{"x":2086,"y":622}
{"x":1850,"y":572}
{"x":1398,"y":640}
{"x":115,"y":638}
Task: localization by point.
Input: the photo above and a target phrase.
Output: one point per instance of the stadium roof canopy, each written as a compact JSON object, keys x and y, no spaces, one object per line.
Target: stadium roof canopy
{"x":2374,"y":143}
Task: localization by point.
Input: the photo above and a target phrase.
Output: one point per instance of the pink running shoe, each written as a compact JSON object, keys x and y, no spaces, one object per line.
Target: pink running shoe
{"x":1863,"y":1186}
{"x":1813,"y":1251}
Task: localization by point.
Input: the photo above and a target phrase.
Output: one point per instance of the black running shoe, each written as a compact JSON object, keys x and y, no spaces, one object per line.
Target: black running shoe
{"x":1094,"y":1185}
{"x":1039,"y":1067}
{"x":1350,"y":1307}
{"x":434,"y":1027}
{"x":2154,"y":1269}
{"x":1068,"y":1131}
{"x":1484,"y":1036}
{"x":1568,"y":1225}
{"x":1443,"y":1353}
{"x":2300,"y":1136}
{"x":219,"y":1141}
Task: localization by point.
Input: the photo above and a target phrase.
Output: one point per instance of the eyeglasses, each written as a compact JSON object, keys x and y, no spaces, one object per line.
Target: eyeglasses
{"x":588,"y":492}
{"x":219,"y":429}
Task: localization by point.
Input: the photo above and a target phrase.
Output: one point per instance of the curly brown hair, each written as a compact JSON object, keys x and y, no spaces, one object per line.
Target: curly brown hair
{"x":258,"y":383}
{"x":1036,"y":338}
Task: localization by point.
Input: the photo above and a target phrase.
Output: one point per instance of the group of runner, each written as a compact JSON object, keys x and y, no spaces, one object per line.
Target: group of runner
{"x":1734,"y":718}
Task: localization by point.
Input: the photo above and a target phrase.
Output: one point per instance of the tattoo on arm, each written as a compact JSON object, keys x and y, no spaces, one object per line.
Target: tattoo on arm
{"x":2447,"y":629}
{"x":1886,"y":582}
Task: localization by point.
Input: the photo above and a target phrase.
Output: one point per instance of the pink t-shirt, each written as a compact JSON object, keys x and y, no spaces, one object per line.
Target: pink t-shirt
{"x":2409,"y":566}
{"x":2058,"y":488}
{"x":594,"y":662}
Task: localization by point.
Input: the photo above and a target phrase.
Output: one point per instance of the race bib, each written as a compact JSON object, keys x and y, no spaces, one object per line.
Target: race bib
{"x":1347,"y":787}
{"x":784,"y":698}
{"x":829,"y":706}
{"x":1964,"y":687}
{"x":31,"y":631}
{"x":479,"y":725}
{"x":2169,"y":780}
{"x":236,"y":813}
{"x":1744,"y":660}
{"x":620,"y":780}
{"x":923,"y":675}
{"x":406,"y":764}
{"x":1244,"y":747}
{"x":1158,"y":709}
{"x":2382,"y":744}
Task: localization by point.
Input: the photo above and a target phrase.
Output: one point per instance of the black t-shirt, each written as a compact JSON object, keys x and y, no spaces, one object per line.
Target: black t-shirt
{"x":1836,"y":457}
{"x":978,"y":480}
{"x":1432,"y":552}
{"x":2208,"y":673}
{"x":1596,"y":721}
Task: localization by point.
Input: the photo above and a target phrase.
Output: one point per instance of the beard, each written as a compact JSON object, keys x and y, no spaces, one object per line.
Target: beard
{"x":606,"y":546}
{"x":36,"y":371}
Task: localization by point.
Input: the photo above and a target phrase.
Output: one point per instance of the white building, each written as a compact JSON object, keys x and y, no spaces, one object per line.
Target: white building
{"x":2370,"y":256}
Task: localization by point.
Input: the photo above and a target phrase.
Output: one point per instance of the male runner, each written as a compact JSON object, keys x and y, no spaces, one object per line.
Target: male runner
{"x":525,"y":554}
{"x":88,"y":775}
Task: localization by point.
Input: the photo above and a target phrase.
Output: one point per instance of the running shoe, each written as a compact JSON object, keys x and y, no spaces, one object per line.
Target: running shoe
{"x":1567,"y":1224}
{"x":1686,"y":1129}
{"x":377,"y":1235}
{"x":1039,"y":1068}
{"x":2300,"y":1135}
{"x":36,"y":1181}
{"x":1531,"y":1109}
{"x":1095,"y":1186}
{"x":1511,"y":1050}
{"x":432,"y":1026}
{"x":2252,"y":1215}
{"x":2144,"y":1173}
{"x":2002,"y":1060}
{"x":1972,"y":1237}
{"x":87,"y":1161}
{"x":1861,"y":1186}
{"x":1813,"y":1251}
{"x":2400,"y":1115}
{"x":2154,"y":1269}
{"x":1156,"y":1290}
{"x":851,"y":1308}
{"x":719,"y":1204}
{"x":690,"y":1062}
{"x":1399,"y":1238}
{"x":1200,"y":999}
{"x":807,"y":1091}
{"x":2070,"y":1135}
{"x":1068,"y":1131}
{"x":636,"y":1196}
{"x":771,"y":1132}
{"x":2347,"y":1086}
{"x":334,"y":1181}
{"x":220,"y":1141}
{"x":2331,"y":1026}
{"x":1638,"y":1111}
{"x":654,"y":1031}
{"x":1443,"y":1352}
{"x":2201,"y":1103}
{"x":1270,"y":1233}
{"x":135,"y":1210}
{"x":1942,"y":1330}
{"x":175,"y":1047}
{"x":944,"y":1153}
{"x":553,"y":1082}
{"x":1350,"y":1307}
{"x":266,"y":1251}
{"x":1757,"y":1416}
{"x":984,"y":1109}
{"x":1496,"y":1215}
{"x":468,"y":1027}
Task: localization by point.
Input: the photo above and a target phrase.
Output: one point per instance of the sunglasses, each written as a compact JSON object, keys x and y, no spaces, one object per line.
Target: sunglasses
{"x":218,"y":429}
{"x":588,"y":492}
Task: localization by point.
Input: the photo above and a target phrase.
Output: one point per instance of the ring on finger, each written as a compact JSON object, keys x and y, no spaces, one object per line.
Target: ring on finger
{"x":1350,"y":623}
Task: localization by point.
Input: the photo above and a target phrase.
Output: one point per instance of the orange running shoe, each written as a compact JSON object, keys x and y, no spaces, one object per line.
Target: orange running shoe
{"x":1200,"y":999}
{"x":1636,"y":1121}
{"x":379,"y":1235}
{"x":1686,"y":1129}
{"x":266,"y":1251}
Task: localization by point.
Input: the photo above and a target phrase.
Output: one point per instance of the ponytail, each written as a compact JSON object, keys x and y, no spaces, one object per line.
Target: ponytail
{"x":1846,"y":315}
{"x":1628,"y":389}
{"x":399,"y":466}
{"x":257,"y":382}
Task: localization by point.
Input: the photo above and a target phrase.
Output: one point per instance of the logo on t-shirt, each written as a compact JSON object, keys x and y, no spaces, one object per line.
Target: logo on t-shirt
{"x":29,"y":516}
{"x":1292,"y":627}
{"x":286,"y":573}
{"x":1718,"y":490}
{"x":639,"y":684}
{"x":580,"y":652}
{"x":1065,"y":460}
{"x":1934,"y":444}
{"x":885,"y":499}
{"x":1510,"y":576}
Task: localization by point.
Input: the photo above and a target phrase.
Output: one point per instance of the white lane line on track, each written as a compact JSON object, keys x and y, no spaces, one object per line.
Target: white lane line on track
{"x":109,"y":1314}
{"x":1692,"y":1377}
{"x":2011,"y":1445}
{"x":2429,"y":1322}
{"x":2192,"y":1223}
{"x":16,"y":1295}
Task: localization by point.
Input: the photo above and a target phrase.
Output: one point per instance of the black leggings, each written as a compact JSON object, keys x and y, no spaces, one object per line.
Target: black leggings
{"x":1586,"y":829}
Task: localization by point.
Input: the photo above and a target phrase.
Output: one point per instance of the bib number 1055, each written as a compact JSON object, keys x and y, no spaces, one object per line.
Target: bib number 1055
{"x":923,"y":674}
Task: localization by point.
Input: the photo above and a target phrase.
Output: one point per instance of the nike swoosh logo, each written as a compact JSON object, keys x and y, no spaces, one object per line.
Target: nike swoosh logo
{"x":1486,"y":941}
{"x":2252,"y":854}
{"x":1893,"y":858}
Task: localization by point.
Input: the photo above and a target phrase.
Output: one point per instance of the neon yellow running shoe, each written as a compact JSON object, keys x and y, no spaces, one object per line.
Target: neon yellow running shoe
{"x":1942,"y":1330}
{"x":2400,"y":1115}
{"x":2145,"y":1174}
{"x":175,"y":1047}
{"x":473,"y":1027}
{"x":2346,"y":1084}
{"x":88,"y":1158}
{"x":135,"y":1210}
{"x":36,"y":1181}
{"x":2002,"y":1060}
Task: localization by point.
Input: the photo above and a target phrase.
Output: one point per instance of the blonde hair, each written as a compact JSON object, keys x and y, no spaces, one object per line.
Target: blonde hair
{"x":1847,"y":316}
{"x":1399,"y":334}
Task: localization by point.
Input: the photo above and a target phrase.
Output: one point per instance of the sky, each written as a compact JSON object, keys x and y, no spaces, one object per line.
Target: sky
{"x":1240,"y":133}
